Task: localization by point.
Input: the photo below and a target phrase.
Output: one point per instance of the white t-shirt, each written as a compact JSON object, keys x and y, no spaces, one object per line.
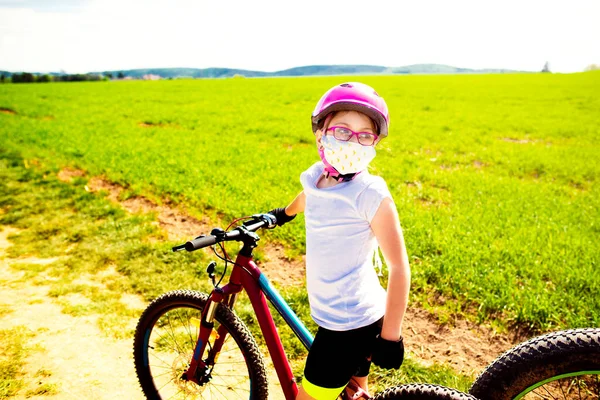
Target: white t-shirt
{"x":343,"y":287}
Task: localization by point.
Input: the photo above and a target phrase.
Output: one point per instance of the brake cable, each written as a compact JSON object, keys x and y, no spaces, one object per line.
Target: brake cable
{"x":225,"y":255}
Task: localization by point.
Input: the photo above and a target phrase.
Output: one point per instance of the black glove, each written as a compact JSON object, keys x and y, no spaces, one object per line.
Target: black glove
{"x":281,"y":216}
{"x":388,"y":354}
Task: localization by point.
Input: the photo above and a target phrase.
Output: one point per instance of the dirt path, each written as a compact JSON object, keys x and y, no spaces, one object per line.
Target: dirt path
{"x":80,"y":359}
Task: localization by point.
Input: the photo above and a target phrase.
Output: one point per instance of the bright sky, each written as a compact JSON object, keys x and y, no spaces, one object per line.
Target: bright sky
{"x":95,"y":35}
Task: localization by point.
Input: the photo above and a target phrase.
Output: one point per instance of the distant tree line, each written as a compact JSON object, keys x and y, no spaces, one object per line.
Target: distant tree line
{"x":27,"y":77}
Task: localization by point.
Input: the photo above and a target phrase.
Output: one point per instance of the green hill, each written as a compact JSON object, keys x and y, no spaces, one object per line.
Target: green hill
{"x":309,"y":70}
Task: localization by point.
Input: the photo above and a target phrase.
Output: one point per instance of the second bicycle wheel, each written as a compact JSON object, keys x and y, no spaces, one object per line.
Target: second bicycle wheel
{"x":164,"y":342}
{"x":558,"y":365}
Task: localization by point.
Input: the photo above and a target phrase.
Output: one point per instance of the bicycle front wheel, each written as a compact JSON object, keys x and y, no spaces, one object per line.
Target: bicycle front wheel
{"x":422,"y":392}
{"x":558,"y":365}
{"x":164,"y":343}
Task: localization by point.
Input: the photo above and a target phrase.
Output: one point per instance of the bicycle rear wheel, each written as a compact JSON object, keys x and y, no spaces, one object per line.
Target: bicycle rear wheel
{"x":422,"y":392}
{"x":164,"y":343}
{"x":558,"y":365}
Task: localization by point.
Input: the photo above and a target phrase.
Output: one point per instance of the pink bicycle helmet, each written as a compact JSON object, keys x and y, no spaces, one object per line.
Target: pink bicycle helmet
{"x":353,"y":96}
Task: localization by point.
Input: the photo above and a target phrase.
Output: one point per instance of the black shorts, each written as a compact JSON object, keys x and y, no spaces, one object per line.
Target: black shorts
{"x":337,"y":356}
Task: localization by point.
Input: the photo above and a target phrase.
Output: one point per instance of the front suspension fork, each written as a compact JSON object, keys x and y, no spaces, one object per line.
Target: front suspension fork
{"x":199,"y":369}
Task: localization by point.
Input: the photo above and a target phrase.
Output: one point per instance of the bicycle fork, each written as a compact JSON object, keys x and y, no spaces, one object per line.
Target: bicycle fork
{"x":199,"y":369}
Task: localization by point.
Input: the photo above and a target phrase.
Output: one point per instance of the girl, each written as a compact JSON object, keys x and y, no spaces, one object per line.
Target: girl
{"x":349,"y":213}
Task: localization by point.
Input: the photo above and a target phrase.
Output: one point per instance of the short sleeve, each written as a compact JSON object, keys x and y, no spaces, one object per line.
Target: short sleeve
{"x":304,"y":180}
{"x":370,"y":199}
{"x":308,"y":177}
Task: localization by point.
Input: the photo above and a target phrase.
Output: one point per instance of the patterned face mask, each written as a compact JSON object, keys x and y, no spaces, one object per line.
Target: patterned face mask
{"x":346,"y":157}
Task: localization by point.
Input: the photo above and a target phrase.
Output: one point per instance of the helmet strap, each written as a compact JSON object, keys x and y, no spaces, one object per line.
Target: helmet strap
{"x":342,"y":177}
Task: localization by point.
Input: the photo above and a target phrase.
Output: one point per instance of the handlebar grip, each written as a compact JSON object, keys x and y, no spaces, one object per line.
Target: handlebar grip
{"x":200,"y":242}
{"x":179,"y":247}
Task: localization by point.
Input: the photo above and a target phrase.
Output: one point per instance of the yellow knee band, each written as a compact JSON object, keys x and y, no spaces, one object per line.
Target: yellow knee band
{"x":320,"y":393}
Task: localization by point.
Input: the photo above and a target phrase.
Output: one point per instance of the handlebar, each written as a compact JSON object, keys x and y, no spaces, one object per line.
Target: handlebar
{"x":200,"y":242}
{"x":218,"y":235}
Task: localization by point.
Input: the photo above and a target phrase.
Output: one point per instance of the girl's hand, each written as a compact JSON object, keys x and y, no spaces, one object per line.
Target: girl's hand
{"x":388,"y":354}
{"x":281,"y":216}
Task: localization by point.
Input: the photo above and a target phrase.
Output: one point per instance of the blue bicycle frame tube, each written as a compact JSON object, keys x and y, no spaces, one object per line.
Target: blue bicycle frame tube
{"x":285,"y":311}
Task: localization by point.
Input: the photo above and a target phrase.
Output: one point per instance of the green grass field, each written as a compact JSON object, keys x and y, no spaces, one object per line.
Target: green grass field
{"x":495,"y":176}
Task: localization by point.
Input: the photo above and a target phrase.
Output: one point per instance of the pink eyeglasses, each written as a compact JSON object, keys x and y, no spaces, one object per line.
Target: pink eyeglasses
{"x":344,"y":134}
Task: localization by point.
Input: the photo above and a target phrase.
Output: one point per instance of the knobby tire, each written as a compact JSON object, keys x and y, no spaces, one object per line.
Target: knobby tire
{"x":422,"y":392}
{"x":164,"y":341}
{"x":563,"y":365}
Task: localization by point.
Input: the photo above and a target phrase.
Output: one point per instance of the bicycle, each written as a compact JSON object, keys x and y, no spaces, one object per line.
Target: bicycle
{"x":189,"y":344}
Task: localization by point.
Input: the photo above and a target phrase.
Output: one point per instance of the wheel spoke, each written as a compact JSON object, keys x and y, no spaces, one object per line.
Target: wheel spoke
{"x":192,"y":341}
{"x":540,"y":396}
{"x":229,"y":388}
{"x":161,"y":339}
{"x":561,"y":389}
{"x":580,"y":387}
{"x":166,"y":383}
{"x":173,"y":333}
{"x":168,"y":365}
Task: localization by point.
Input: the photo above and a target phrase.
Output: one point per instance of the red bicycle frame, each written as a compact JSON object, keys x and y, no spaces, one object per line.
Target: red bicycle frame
{"x":247,"y":276}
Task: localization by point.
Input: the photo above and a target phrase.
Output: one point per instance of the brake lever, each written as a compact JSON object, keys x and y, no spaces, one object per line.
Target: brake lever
{"x":211,"y":272}
{"x":268,"y":218}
